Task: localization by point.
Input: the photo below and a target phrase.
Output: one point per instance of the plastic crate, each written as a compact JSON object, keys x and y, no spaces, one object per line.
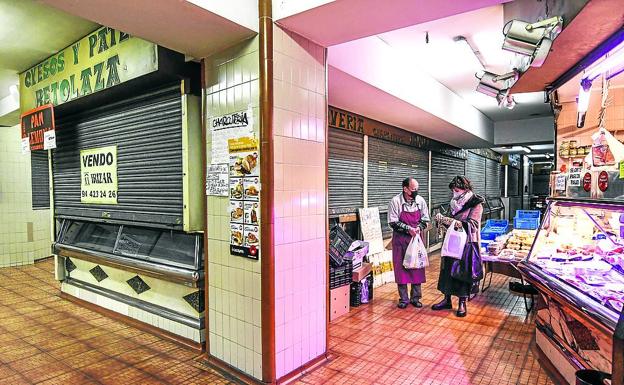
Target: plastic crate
{"x":527,"y":220}
{"x":524,"y":214}
{"x":526,"y":223}
{"x":356,"y":291}
{"x":493,"y":228}
{"x":341,"y":275}
{"x":339,"y":243}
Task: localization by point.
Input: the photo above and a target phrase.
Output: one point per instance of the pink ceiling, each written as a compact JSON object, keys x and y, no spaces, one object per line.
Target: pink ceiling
{"x":178,"y":25}
{"x":341,"y":21}
{"x":384,"y":107}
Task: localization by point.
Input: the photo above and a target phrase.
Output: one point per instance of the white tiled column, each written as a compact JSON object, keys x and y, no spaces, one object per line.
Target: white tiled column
{"x":234,"y":293}
{"x":300,"y":207}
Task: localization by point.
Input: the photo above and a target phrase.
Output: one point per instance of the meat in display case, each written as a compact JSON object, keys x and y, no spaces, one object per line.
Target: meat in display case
{"x":577,"y":265}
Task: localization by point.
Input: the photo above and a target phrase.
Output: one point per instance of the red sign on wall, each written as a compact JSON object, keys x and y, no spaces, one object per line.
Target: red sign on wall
{"x":587,"y":182}
{"x":603,"y":181}
{"x":38,"y":129}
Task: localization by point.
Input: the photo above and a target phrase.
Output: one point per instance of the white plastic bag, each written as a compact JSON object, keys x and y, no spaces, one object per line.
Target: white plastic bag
{"x":415,"y":254}
{"x":454,"y":241}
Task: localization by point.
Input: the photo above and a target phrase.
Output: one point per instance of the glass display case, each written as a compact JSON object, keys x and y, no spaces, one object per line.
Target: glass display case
{"x":577,"y":265}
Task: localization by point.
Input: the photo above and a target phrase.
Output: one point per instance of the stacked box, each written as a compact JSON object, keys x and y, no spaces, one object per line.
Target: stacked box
{"x":356,"y":290}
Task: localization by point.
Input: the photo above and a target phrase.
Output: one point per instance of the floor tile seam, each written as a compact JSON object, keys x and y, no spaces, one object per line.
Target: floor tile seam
{"x":477,"y":370}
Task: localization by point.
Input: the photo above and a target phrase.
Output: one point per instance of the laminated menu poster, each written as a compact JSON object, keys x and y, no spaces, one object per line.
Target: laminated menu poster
{"x":244,"y":186}
{"x":98,"y":175}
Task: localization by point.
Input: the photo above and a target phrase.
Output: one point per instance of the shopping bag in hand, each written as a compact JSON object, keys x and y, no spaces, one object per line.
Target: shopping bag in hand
{"x":454,"y":241}
{"x":415,"y":254}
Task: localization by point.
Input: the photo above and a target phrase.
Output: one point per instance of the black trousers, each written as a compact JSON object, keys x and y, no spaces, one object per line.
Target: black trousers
{"x":416,"y":292}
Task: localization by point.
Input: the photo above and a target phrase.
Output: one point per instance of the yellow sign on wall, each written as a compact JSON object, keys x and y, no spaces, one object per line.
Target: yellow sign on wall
{"x":101,"y":60}
{"x":98,"y":175}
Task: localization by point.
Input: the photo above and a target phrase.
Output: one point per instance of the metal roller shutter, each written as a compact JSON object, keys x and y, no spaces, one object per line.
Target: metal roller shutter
{"x":388,"y":165}
{"x":492,"y":178}
{"x":40,"y":179}
{"x":147,"y":130}
{"x":346,"y":171}
{"x":513,"y":183}
{"x":475,"y":171}
{"x":443,"y":169}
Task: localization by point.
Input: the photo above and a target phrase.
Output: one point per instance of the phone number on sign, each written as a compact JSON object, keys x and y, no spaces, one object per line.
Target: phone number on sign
{"x":99,"y":194}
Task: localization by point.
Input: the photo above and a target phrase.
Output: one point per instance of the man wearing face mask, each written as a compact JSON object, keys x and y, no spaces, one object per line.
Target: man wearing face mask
{"x":408,"y":216}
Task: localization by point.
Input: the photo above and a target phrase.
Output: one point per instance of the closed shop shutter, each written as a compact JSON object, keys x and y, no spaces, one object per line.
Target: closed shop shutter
{"x":147,"y":130}
{"x":443,"y":169}
{"x":346,"y":171}
{"x":492,"y":178}
{"x":40,"y":179}
{"x":513,"y":183}
{"x":388,"y":165}
{"x":475,"y":171}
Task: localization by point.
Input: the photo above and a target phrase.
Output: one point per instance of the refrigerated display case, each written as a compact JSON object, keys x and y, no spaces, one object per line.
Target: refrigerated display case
{"x":577,"y":265}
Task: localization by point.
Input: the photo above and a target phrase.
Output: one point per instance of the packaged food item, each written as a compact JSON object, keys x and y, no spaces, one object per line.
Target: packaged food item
{"x":601,"y":153}
{"x":494,"y":248}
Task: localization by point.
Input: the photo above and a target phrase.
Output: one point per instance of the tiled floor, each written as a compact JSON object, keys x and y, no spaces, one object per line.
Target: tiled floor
{"x":380,"y":344}
{"x":45,"y":339}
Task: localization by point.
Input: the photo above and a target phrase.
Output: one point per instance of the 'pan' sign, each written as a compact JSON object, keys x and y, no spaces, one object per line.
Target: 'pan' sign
{"x":38,"y":129}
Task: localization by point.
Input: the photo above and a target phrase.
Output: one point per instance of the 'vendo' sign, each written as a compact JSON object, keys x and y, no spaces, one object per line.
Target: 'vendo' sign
{"x":98,"y":171}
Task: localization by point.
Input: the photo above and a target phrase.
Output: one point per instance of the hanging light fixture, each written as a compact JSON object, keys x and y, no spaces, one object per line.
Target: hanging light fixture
{"x":498,"y":86}
{"x":532,"y":39}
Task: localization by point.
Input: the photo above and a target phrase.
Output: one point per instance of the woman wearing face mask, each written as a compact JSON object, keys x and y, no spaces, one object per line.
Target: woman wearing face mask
{"x":466,"y":210}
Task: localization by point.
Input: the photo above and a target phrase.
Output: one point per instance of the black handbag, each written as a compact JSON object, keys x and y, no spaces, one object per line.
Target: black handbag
{"x":469,"y":268}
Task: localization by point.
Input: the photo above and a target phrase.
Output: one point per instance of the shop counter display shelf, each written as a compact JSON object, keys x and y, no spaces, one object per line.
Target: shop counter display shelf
{"x":576,"y":264}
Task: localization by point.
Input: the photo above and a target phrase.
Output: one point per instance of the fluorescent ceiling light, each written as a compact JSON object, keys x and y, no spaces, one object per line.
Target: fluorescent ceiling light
{"x":610,"y":67}
{"x":512,"y":149}
{"x":541,"y":147}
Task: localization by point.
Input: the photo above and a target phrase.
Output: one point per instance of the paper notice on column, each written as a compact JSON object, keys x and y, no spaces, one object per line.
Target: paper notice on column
{"x":49,"y":140}
{"x":370,"y":223}
{"x":225,"y":127}
{"x":217,"y":180}
{"x":25,"y":145}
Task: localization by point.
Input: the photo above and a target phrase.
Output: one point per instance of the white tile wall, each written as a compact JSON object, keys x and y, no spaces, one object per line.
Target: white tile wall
{"x":300,"y":207}
{"x":234,"y":282}
{"x":16,"y":206}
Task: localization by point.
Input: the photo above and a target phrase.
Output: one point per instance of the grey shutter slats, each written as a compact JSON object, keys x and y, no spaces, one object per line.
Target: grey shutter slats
{"x":40,"y":179}
{"x":345,"y":172}
{"x":147,"y":131}
{"x":492,"y":178}
{"x":443,"y":169}
{"x":388,"y":165}
{"x":475,"y":171}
